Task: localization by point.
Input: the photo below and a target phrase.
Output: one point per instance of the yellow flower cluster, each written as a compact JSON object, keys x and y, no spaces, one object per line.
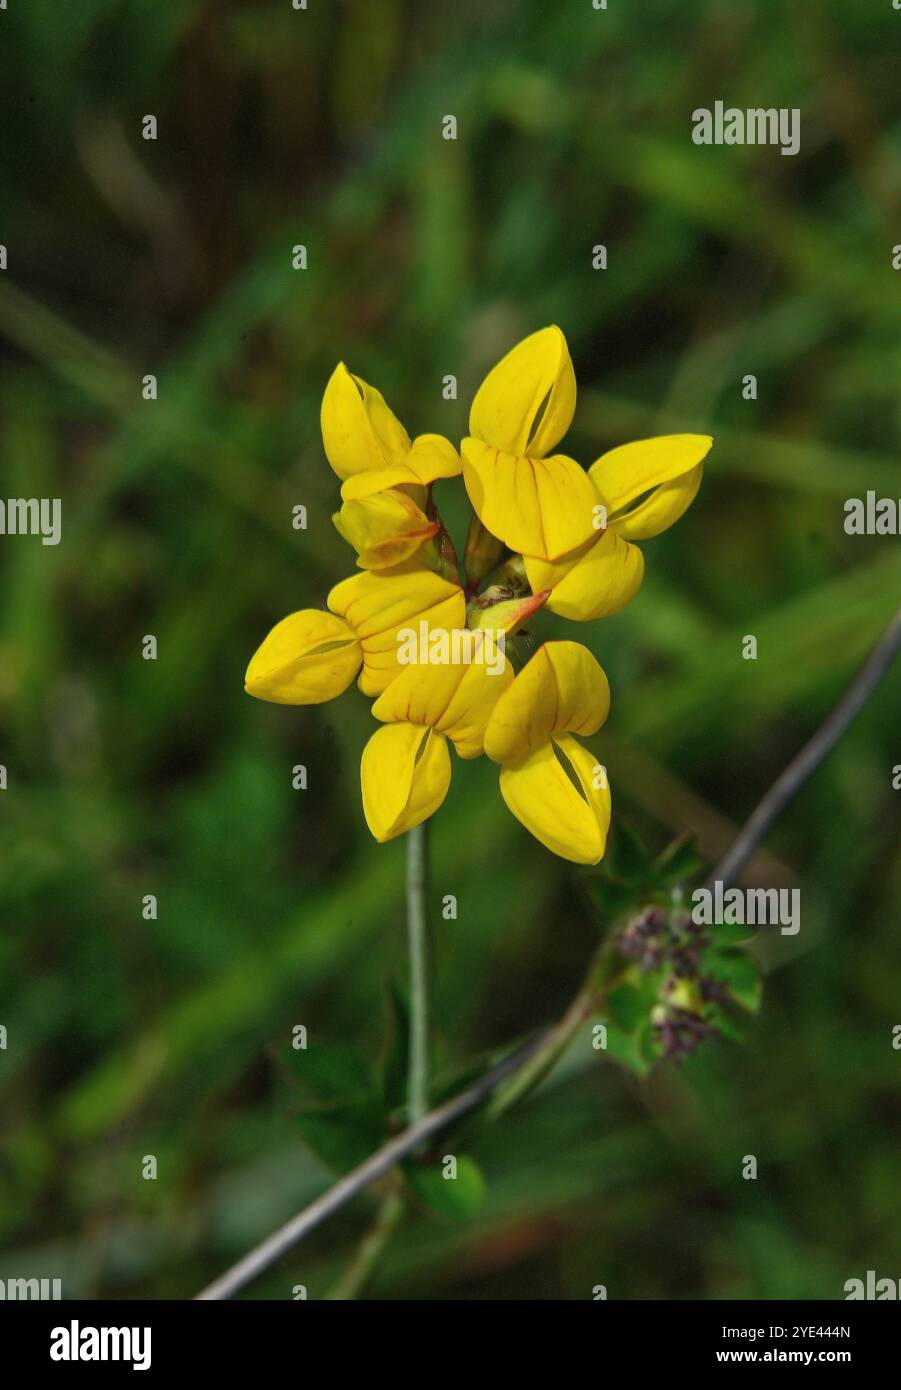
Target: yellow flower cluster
{"x":545,"y":532}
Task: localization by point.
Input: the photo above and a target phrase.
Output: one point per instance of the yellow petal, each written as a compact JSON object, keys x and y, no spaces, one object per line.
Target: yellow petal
{"x":308,"y":657}
{"x":431,"y":457}
{"x":359,"y":430}
{"x":594,"y":581}
{"x":404,"y":773}
{"x":526,"y":403}
{"x":661,"y":509}
{"x":541,"y":795}
{"x":562,"y":689}
{"x":542,"y":507}
{"x":454,"y":697}
{"x":384,"y":529}
{"x":378,"y":603}
{"x":362,"y":485}
{"x":624,"y":474}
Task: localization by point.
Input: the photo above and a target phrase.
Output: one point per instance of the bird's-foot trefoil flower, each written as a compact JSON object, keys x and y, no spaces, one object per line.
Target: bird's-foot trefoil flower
{"x":369,"y":448}
{"x":406,"y":771}
{"x":436,"y":641}
{"x":641,"y":490}
{"x":550,"y":782}
{"x":313,"y":656}
{"x":377,"y":605}
{"x":385,"y":528}
{"x":307,"y":658}
{"x":535,"y":503}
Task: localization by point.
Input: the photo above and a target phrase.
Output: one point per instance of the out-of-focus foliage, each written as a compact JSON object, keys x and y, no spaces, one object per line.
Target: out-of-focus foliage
{"x":129,"y":1037}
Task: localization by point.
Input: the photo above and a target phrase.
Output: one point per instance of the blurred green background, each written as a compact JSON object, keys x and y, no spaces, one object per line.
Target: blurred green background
{"x":129,"y":1037}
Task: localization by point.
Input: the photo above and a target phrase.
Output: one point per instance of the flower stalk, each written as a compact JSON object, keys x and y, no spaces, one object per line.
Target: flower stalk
{"x":359,"y":1272}
{"x":483,"y":551}
{"x":418,"y":948}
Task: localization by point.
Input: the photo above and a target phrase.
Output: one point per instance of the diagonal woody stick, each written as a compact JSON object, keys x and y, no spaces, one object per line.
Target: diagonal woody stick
{"x":545,"y":1048}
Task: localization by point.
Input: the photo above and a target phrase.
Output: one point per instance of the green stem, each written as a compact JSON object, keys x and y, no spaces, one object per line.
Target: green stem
{"x":482,"y":552}
{"x":600,"y":977}
{"x":417,"y":938}
{"x":548,"y":1055}
{"x":391,"y":1207}
{"x":361,"y":1268}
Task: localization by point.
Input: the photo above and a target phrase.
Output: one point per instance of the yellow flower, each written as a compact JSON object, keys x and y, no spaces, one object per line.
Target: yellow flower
{"x":405,"y":773}
{"x":377,"y":605}
{"x":571,"y":535}
{"x":553,"y":785}
{"x":405,"y":770}
{"x":664,"y":472}
{"x":538,"y":505}
{"x":572,"y":528}
{"x":384,"y":529}
{"x":313,"y":656}
{"x":369,"y":448}
{"x":308,"y":657}
{"x":642,"y":488}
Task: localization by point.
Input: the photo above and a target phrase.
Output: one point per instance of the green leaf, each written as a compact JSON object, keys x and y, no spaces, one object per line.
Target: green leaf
{"x":630,"y":880}
{"x":731,"y":1022}
{"x":726,"y":934}
{"x":607,"y":898}
{"x":342,"y":1135}
{"x":460,"y":1197}
{"x":738,"y":971}
{"x":634,"y":1050}
{"x":331,"y":1071}
{"x":631,"y":1003}
{"x":626,"y":1006}
{"x":346,"y":1120}
{"x":629,"y":858}
{"x":678,"y":863}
